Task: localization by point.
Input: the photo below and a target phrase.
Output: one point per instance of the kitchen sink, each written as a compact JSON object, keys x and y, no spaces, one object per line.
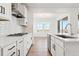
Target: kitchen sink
{"x":65,"y":36}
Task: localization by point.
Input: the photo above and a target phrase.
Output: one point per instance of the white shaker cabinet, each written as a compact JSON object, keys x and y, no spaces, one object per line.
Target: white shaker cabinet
{"x":20,"y":47}
{"x":52,"y":46}
{"x":64,"y":46}
{"x":0,"y":51}
{"x":27,"y":43}
{"x":20,"y":11}
{"x":49,"y":42}
{"x":5,"y":14}
{"x":23,"y":21}
{"x":29,"y":40}
{"x":9,"y":50}
{"x":59,"y":50}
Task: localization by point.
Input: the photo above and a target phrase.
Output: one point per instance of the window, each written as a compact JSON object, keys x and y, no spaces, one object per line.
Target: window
{"x":61,"y":26}
{"x":43,"y":26}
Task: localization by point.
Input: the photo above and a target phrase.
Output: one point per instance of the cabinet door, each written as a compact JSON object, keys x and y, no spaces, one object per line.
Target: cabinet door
{"x":20,"y":47}
{"x":6,"y":11}
{"x":2,"y":5}
{"x":29,"y":42}
{"x":29,"y":39}
{"x":49,"y":42}
{"x":25,"y":45}
{"x":10,"y":50}
{"x":23,"y":10}
{"x":59,"y":50}
{"x":0,"y":51}
{"x":52,"y":46}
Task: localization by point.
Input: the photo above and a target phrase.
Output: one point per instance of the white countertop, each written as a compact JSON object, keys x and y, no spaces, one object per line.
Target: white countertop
{"x":66,"y":39}
{"x":6,"y":40}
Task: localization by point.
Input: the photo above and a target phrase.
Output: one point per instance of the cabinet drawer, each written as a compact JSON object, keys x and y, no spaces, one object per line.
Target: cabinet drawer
{"x":20,"y":41}
{"x":12,"y":53}
{"x":13,"y":50}
{"x":59,"y":42}
{"x":11,"y":47}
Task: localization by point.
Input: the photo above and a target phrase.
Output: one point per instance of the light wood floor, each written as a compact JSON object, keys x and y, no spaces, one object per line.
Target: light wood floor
{"x":39,"y":47}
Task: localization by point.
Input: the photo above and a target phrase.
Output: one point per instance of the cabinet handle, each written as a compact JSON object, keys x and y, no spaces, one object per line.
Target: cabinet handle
{"x":31,"y":38}
{"x":21,"y":41}
{"x":12,"y":54}
{"x":54,"y":47}
{"x":11,"y":48}
{"x":18,"y":52}
{"x":27,"y":41}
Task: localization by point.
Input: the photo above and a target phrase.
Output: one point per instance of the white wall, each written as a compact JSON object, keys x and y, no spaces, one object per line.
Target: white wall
{"x":36,"y":21}
{"x":49,"y":18}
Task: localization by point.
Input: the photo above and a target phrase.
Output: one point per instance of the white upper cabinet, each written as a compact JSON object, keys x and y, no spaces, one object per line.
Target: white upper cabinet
{"x":21,"y":9}
{"x":5,"y":11}
{"x":23,"y":21}
{"x":20,"y":12}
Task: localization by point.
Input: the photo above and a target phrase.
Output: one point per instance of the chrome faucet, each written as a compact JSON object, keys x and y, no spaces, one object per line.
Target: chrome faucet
{"x":70,"y":28}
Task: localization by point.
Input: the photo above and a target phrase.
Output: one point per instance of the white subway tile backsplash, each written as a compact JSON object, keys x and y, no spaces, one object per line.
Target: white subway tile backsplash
{"x":8,"y":27}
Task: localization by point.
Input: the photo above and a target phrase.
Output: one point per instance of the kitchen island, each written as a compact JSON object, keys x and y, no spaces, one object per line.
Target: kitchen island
{"x":64,"y":46}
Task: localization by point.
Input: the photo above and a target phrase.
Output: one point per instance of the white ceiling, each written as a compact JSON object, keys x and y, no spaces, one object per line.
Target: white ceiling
{"x":58,"y":9}
{"x":53,"y":5}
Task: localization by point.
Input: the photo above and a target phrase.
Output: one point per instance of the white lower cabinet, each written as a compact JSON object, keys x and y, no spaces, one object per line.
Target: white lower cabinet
{"x":27,"y":43}
{"x":49,"y":42}
{"x":64,"y":48}
{"x":9,"y":50}
{"x":0,"y":51}
{"x":52,"y":46}
{"x":20,"y":47}
{"x":57,"y":48}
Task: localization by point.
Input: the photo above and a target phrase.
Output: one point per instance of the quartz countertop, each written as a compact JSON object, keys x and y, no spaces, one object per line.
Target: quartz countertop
{"x":6,"y":40}
{"x":65,"y":39}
